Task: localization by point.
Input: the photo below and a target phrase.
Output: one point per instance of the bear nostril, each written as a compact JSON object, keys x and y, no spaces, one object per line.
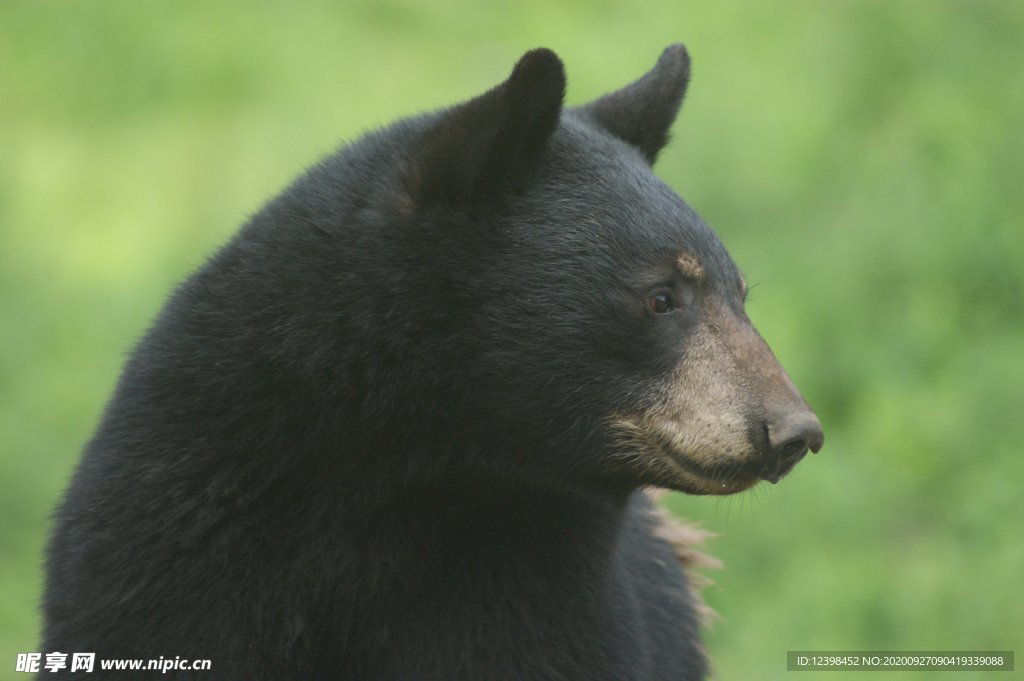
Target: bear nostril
{"x":789,"y":439}
{"x":795,"y":447}
{"x":795,"y":432}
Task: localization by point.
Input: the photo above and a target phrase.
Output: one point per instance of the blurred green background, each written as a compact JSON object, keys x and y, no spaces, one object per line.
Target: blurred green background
{"x":863,"y":161}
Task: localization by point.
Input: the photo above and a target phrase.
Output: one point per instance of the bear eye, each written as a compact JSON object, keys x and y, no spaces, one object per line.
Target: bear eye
{"x":661,"y":303}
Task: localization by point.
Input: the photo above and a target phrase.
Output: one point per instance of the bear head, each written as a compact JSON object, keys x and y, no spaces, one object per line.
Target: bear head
{"x":527,"y":293}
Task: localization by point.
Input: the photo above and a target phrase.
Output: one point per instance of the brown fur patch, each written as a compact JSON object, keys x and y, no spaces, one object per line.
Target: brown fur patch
{"x":690,"y":266}
{"x":687,"y":539}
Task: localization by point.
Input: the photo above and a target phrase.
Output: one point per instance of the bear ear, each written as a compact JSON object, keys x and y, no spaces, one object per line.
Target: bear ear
{"x":483,"y":146}
{"x":642,"y":112}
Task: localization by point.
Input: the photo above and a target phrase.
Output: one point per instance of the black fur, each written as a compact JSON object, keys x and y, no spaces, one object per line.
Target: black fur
{"x":488,"y":143}
{"x":367,"y":440}
{"x":642,"y":112}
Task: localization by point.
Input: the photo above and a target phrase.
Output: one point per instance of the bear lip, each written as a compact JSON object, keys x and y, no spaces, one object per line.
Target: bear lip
{"x":711,"y":481}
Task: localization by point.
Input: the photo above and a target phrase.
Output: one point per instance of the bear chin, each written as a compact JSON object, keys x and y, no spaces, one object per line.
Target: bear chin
{"x":664,"y":465}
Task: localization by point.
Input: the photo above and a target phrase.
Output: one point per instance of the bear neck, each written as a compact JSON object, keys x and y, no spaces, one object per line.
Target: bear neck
{"x":474,"y":534}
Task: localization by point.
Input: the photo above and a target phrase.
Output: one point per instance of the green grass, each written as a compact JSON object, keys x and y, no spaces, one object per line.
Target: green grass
{"x":861,"y":159}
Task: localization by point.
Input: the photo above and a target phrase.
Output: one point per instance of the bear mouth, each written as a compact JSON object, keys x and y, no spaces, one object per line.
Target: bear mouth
{"x":675,"y":469}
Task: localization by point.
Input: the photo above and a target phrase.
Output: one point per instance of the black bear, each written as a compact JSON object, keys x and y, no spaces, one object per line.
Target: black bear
{"x":400,"y":426}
